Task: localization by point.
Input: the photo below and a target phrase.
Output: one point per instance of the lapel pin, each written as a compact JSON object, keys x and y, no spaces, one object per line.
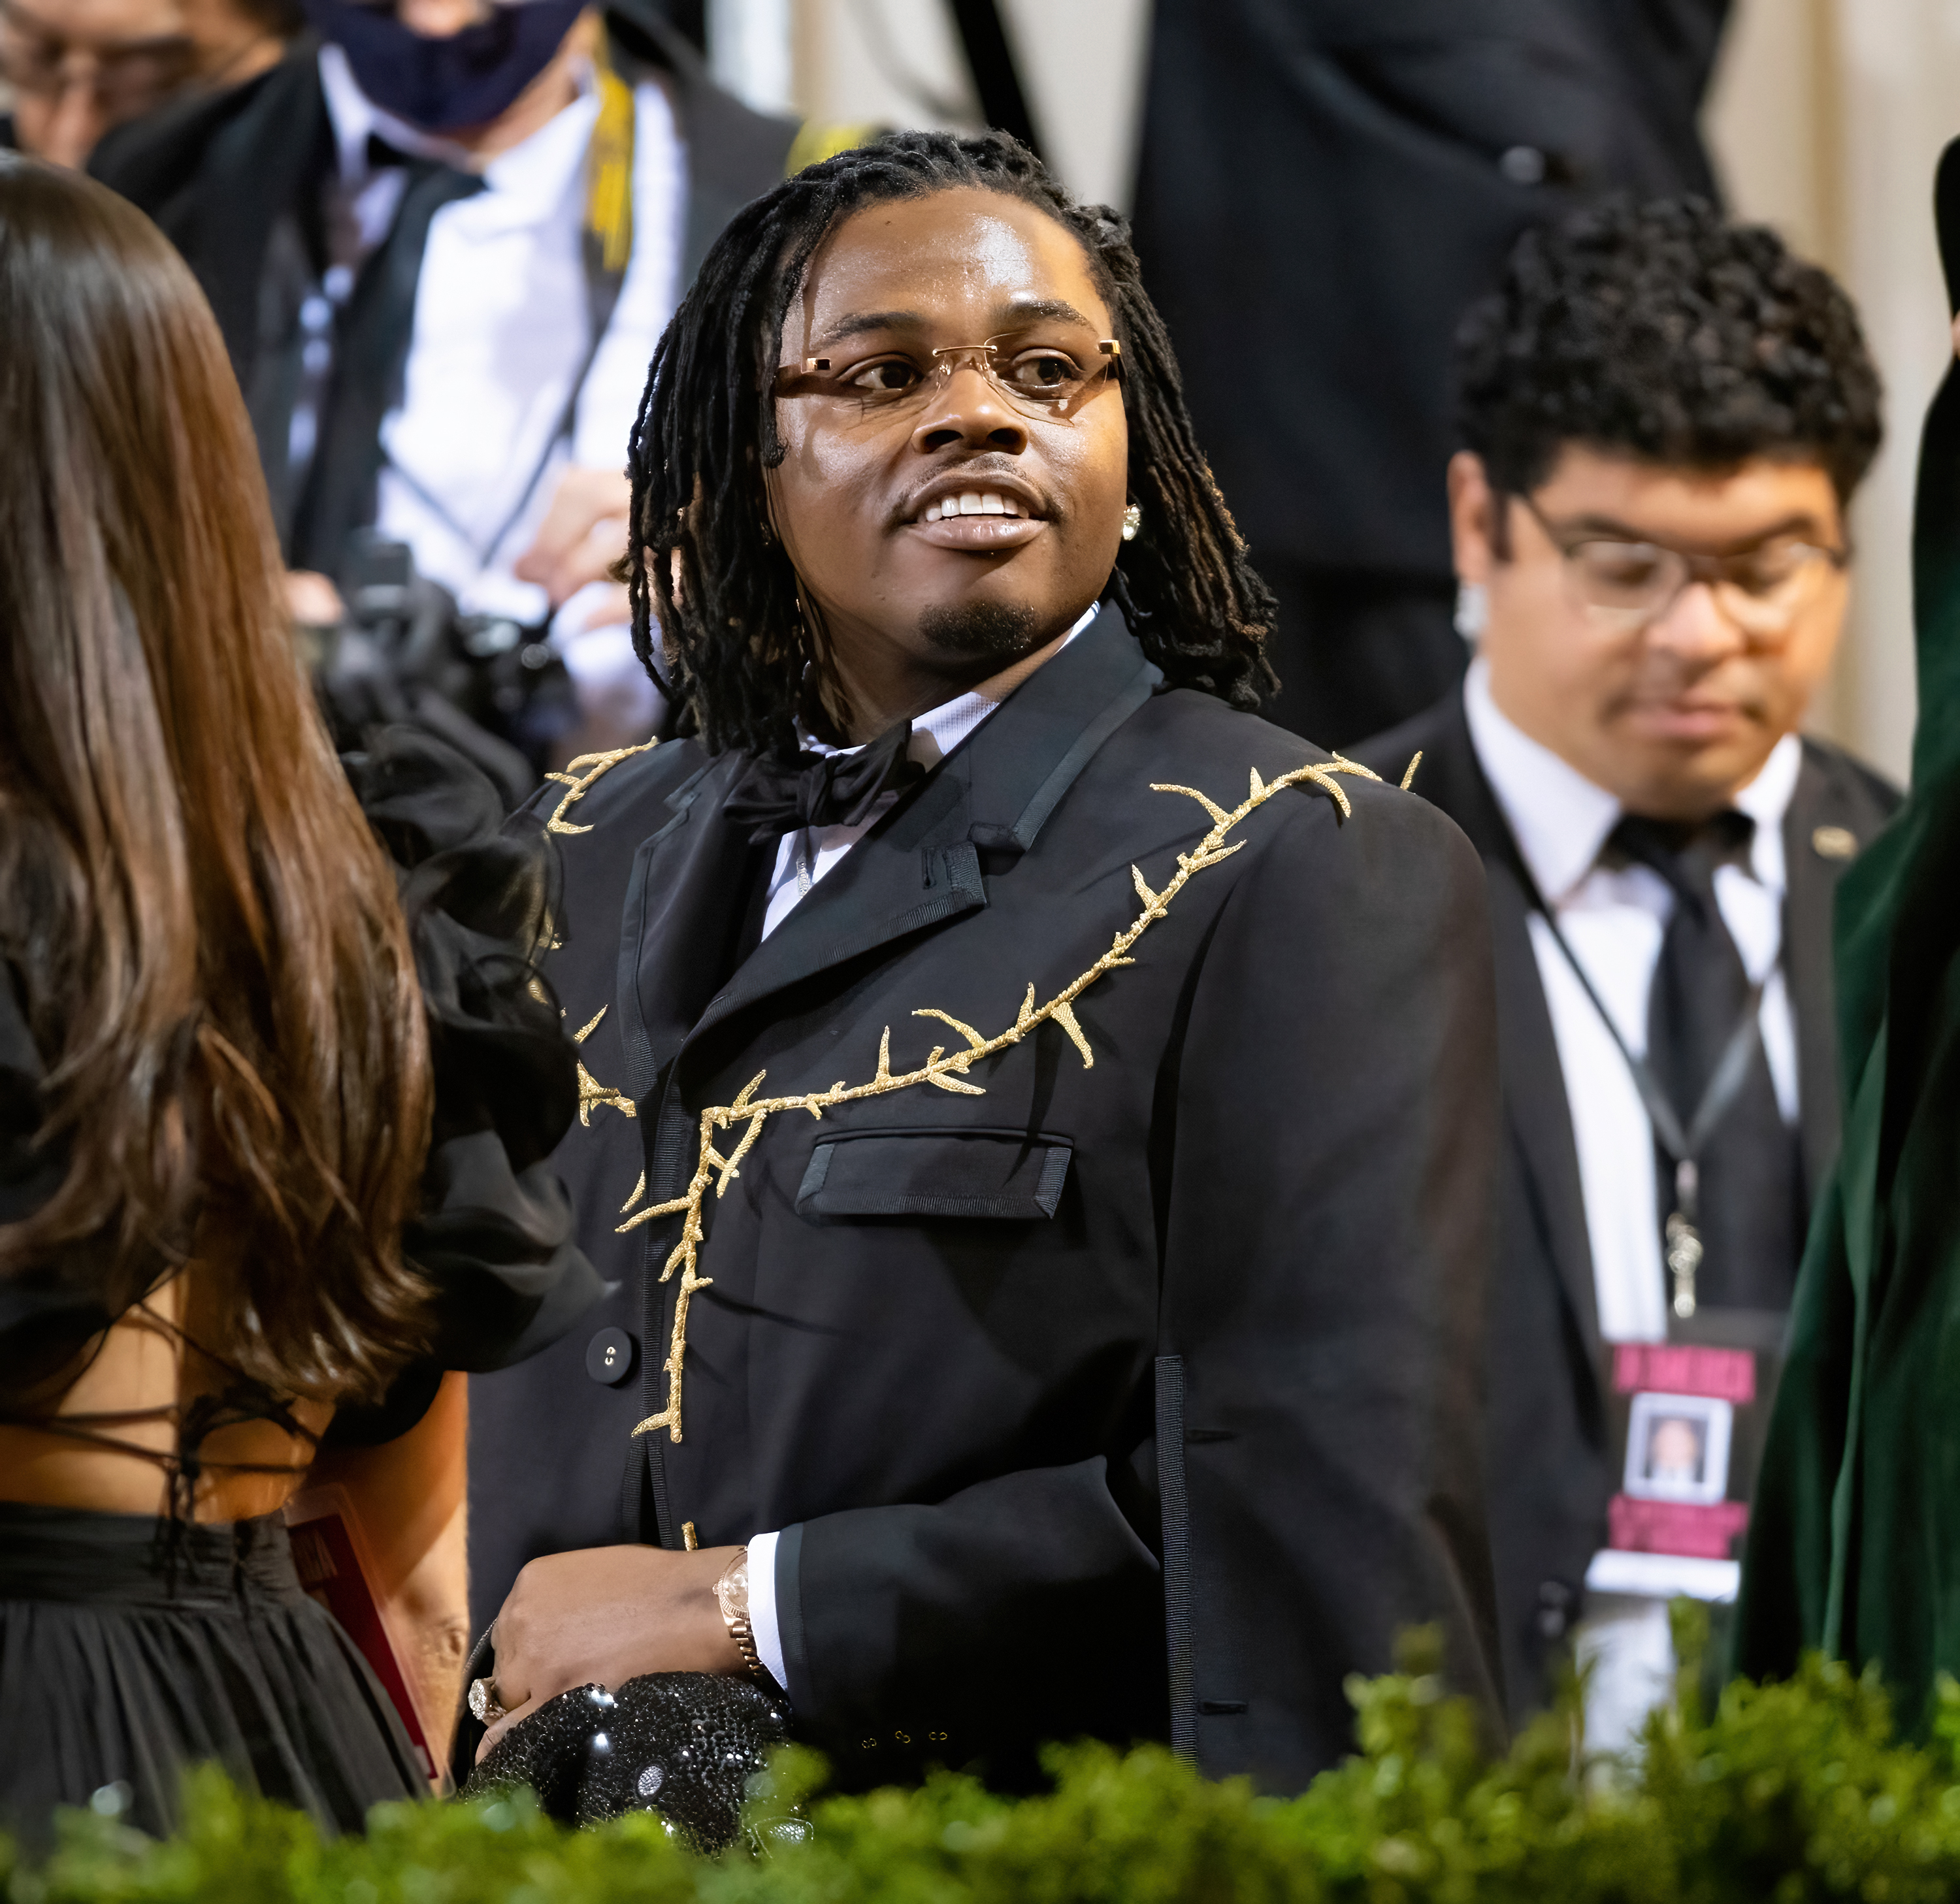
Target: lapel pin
{"x":1834,"y":842}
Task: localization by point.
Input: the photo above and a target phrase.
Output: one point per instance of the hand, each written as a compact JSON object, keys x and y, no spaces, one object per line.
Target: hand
{"x":607,"y":1615}
{"x":583,"y":534}
{"x":312,"y":600}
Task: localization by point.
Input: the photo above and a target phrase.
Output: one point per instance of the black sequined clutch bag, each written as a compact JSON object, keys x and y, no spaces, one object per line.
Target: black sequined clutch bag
{"x":685,"y":1745}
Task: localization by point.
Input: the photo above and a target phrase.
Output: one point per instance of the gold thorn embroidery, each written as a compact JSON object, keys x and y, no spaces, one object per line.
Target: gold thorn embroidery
{"x":595,"y":765}
{"x":594,"y":1096}
{"x":948,"y":1072}
{"x":586,"y":1030}
{"x":1409,"y":779}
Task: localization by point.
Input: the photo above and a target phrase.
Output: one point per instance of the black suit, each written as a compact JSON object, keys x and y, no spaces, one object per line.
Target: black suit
{"x":237,"y":182}
{"x":1548,"y":1457}
{"x":1324,"y":187}
{"x":1177,"y":1343}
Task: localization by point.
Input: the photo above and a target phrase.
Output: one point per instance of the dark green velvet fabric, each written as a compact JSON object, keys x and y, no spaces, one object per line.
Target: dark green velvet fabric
{"x":1855,"y":1543}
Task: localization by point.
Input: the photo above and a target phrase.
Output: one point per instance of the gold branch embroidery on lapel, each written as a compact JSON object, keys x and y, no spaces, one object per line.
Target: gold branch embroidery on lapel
{"x":596,"y":766}
{"x":946,"y":1070}
{"x":592,"y":1095}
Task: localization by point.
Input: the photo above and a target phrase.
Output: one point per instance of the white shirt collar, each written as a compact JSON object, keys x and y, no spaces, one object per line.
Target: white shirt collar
{"x":1560,"y":819}
{"x":541,"y":166}
{"x":939,"y":730}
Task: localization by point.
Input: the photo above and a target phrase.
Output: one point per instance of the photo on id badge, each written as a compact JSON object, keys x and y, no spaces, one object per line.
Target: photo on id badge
{"x":1677,"y":1448}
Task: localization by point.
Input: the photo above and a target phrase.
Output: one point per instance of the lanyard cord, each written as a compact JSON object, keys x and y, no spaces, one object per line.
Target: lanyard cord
{"x":605,"y":248}
{"x":1684,"y":1251}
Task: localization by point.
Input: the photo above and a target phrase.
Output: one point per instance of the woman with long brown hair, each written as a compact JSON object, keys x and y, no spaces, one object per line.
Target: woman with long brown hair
{"x":273,"y":1111}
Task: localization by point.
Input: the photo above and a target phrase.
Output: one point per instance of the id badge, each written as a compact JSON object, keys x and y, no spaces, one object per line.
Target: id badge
{"x":1688,"y":1419}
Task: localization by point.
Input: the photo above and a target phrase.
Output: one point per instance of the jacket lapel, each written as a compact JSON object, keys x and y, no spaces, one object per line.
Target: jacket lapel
{"x":1828,"y":798}
{"x":1535,"y":1103}
{"x":921,"y":865}
{"x":685,"y":900}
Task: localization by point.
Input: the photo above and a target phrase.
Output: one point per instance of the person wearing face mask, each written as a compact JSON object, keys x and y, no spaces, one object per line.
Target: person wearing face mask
{"x":80,"y":67}
{"x":1664,"y":417}
{"x":1034,"y":1313}
{"x":441,"y":242}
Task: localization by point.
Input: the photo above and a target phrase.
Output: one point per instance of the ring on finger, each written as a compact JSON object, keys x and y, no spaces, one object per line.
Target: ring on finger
{"x":485,"y":1705}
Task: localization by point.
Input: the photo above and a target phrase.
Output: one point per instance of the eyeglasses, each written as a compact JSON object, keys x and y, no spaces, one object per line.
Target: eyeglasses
{"x":1041,"y":380}
{"x":127,"y":79}
{"x":1626,"y":586}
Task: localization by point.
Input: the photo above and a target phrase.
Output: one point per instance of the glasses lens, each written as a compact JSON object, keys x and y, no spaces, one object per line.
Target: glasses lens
{"x":1626,"y":579}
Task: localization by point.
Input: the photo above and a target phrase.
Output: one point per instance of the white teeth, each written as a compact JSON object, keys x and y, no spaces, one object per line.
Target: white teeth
{"x":988,"y":503}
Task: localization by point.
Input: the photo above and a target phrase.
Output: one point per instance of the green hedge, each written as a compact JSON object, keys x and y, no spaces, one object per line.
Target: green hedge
{"x":1788,"y":1792}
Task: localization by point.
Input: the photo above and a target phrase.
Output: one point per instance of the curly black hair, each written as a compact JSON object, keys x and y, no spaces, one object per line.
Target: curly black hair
{"x":1663,"y":332}
{"x":702,"y":565}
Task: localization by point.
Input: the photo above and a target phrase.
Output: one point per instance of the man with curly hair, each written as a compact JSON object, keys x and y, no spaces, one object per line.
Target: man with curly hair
{"x":1663,"y":417}
{"x":1040,"y":1118}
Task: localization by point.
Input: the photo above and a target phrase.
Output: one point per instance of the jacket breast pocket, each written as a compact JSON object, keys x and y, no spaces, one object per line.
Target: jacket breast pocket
{"x":965,"y":1173}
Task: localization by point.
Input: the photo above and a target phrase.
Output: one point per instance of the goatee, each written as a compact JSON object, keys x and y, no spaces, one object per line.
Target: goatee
{"x":981,"y":629}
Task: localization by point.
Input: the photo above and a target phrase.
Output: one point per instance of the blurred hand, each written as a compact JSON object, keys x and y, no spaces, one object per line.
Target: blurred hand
{"x":606,"y":1616}
{"x":312,"y":600}
{"x":583,"y":534}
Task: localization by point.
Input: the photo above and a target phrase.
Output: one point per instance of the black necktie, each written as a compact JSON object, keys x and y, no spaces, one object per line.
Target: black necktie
{"x":776,"y":796}
{"x":1749,"y":1194}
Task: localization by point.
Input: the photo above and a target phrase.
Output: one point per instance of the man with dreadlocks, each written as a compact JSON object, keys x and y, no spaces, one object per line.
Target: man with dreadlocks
{"x":1039,"y":1119}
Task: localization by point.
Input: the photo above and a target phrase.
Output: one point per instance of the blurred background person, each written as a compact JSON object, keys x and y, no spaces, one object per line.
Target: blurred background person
{"x":1323,"y":188}
{"x":1664,"y":418}
{"x":271,"y":1124}
{"x":442,"y":239}
{"x":76,"y":68}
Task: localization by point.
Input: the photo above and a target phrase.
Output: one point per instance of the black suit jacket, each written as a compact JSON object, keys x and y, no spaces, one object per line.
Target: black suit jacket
{"x":1547,"y":1453}
{"x":235,"y":181}
{"x":1095,"y":1381}
{"x":1322,"y":190}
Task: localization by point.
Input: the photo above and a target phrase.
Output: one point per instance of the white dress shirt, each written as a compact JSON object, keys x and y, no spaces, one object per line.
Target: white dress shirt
{"x":804,"y":858}
{"x":1614,"y":918}
{"x":475,"y":449}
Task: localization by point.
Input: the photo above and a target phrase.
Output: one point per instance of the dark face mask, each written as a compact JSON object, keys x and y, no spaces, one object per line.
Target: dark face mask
{"x":442,"y":85}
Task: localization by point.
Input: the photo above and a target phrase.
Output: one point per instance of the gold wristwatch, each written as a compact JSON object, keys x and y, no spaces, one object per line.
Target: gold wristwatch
{"x":731,"y":1593}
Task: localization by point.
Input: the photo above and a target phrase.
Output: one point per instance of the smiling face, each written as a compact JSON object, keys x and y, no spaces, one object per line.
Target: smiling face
{"x":947,"y":514}
{"x":1676,"y":715}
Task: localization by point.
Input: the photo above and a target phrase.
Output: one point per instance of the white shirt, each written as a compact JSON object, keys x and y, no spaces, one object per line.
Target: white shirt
{"x":803,"y":859}
{"x":806,"y":856}
{"x":1614,"y":918}
{"x":501,"y":329}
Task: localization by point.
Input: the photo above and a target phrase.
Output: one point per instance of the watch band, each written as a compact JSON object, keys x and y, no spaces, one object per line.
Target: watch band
{"x":731,"y":1593}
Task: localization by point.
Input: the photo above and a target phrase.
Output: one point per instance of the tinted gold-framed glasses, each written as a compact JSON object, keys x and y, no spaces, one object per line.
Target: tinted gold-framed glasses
{"x":1044,"y":380}
{"x":1625,"y":585}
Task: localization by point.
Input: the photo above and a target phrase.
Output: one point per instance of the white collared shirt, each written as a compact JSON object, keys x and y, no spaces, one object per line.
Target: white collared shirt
{"x":501,"y":329}
{"x":807,"y":855}
{"x":1613,"y":919}
{"x":802,"y":860}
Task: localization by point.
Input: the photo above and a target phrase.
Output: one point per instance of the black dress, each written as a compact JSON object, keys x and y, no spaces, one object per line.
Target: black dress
{"x":132,"y":1646}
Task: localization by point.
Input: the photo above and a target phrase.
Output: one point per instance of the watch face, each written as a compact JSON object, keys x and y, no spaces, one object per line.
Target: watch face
{"x":731,"y":1591}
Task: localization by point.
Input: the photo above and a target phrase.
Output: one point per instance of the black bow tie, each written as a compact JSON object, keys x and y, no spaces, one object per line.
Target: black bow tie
{"x":778,"y":796}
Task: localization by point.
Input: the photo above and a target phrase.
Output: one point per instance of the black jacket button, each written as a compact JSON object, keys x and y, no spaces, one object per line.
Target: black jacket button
{"x":608,"y":1357}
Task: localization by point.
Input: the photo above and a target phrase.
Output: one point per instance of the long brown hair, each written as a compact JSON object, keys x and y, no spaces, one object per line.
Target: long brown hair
{"x":201,"y":929}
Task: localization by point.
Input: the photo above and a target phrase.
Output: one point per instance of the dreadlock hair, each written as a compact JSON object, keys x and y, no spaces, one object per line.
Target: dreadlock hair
{"x":702,"y":566}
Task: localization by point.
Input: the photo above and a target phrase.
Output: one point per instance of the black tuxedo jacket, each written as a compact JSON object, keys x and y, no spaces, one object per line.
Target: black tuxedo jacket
{"x":1120,"y":1401}
{"x":1323,"y":186}
{"x":1547,"y":1455}
{"x":235,"y":181}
